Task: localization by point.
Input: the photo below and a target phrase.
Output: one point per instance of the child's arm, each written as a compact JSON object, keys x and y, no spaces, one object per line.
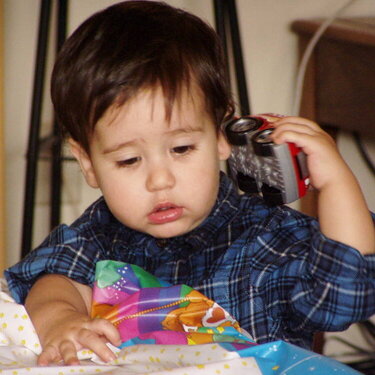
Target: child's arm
{"x":59,"y":309}
{"x":342,"y":210}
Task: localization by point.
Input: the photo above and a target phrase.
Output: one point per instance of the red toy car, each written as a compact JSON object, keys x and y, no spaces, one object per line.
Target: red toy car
{"x":259,"y":165}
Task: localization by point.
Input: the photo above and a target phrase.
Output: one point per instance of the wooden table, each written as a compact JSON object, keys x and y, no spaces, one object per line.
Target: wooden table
{"x":339,"y":85}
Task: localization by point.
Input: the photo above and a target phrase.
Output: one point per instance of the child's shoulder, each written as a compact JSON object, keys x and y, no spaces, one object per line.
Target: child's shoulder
{"x":259,"y":211}
{"x":94,"y":222}
{"x":97,"y":214}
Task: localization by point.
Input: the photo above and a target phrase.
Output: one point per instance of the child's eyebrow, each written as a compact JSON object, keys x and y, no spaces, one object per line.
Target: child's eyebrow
{"x":119,"y":146}
{"x":185,"y":130}
{"x":174,"y":132}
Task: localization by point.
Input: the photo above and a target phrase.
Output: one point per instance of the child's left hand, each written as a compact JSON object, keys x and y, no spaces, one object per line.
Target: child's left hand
{"x":325,"y":163}
{"x":342,"y":209}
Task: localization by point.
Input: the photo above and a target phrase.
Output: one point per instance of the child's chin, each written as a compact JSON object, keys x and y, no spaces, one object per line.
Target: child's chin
{"x":168,"y":231}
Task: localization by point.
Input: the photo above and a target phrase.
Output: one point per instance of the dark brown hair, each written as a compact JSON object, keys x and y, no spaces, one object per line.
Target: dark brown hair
{"x":130,"y":46}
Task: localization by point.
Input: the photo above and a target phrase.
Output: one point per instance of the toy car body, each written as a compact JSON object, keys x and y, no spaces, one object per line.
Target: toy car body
{"x":278,"y":171}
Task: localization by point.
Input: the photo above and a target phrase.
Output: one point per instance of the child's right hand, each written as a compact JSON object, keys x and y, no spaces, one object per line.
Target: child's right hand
{"x":74,"y":331}
{"x":59,"y":309}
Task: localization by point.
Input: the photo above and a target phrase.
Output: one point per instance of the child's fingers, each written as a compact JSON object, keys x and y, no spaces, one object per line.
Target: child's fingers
{"x":90,"y":340}
{"x":311,"y":144}
{"x":298,"y":121}
{"x":68,"y":353}
{"x":49,"y":355}
{"x":300,"y":131}
{"x":65,"y":351}
{"x":282,"y":130}
{"x":93,"y":336}
{"x":302,"y":139}
{"x":297,"y":124}
{"x":105,"y":328}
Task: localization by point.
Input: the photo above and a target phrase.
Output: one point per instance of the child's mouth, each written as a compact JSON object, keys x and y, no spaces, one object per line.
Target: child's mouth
{"x":165,"y":213}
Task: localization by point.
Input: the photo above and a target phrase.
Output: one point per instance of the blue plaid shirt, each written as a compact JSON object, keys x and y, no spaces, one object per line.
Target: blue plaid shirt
{"x":270,"y":267}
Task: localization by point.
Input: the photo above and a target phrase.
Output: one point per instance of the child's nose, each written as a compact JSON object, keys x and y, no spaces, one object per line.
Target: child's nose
{"x":160,"y":178}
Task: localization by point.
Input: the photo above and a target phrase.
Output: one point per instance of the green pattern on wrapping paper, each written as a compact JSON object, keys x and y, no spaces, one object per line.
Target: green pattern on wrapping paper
{"x":185,"y":289}
{"x":106,"y":273}
{"x":146,"y":280}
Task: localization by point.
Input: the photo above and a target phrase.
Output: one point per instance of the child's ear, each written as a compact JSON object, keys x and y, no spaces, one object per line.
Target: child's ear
{"x":223,"y":147}
{"x":85,"y":163}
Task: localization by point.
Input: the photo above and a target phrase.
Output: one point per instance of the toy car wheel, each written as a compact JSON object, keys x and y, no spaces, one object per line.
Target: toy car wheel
{"x":247,"y":184}
{"x":272,"y":195}
{"x":238,"y":129}
{"x":262,"y":143}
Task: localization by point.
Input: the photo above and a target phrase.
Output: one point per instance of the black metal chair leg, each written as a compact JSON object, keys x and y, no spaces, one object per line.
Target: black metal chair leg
{"x":226,"y":16}
{"x":57,"y":166}
{"x":33,"y":143}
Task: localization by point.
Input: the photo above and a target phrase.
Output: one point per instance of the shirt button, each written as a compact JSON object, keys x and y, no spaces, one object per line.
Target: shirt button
{"x":162,"y":242}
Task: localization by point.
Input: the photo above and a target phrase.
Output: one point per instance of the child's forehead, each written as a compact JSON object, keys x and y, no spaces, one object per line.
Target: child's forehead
{"x":154,"y":102}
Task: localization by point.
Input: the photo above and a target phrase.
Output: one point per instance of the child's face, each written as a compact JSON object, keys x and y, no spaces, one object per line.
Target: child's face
{"x":156,"y":176}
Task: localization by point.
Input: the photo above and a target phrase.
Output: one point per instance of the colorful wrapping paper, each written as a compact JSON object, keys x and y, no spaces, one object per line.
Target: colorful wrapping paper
{"x":147,"y":310}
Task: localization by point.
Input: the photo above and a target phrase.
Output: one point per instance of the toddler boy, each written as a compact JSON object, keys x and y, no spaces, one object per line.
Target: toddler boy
{"x":140,"y":90}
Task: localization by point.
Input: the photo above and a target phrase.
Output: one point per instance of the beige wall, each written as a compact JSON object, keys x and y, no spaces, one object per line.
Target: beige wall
{"x":270,"y":55}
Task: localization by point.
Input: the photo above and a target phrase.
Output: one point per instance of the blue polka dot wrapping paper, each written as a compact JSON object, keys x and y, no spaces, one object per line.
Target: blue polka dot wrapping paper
{"x":169,"y":330}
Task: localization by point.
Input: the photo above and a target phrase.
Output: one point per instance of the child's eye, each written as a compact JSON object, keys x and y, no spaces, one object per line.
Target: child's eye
{"x":183,"y":149}
{"x":128,"y":162}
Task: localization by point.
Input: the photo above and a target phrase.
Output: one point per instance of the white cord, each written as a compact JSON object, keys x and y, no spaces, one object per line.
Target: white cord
{"x":307,"y":54}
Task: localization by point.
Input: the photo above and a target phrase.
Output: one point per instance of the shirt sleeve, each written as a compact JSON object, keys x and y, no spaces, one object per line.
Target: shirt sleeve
{"x":336,"y":286}
{"x":63,"y":252}
{"x":307,"y":281}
